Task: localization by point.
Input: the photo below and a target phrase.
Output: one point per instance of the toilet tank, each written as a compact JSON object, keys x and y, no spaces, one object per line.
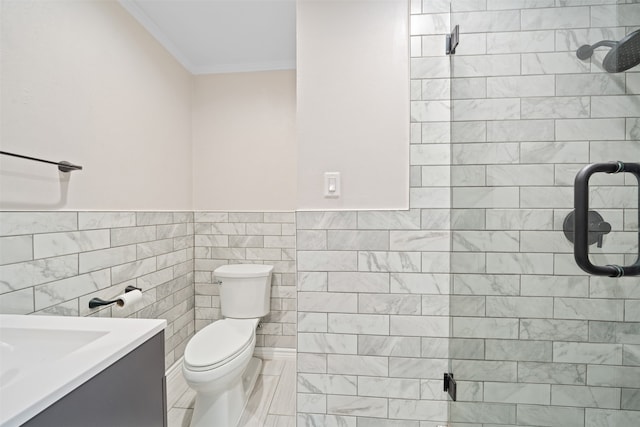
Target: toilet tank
{"x":245,"y":291}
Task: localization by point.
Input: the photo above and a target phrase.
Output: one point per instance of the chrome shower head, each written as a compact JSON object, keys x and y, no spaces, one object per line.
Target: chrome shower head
{"x":623,"y":55}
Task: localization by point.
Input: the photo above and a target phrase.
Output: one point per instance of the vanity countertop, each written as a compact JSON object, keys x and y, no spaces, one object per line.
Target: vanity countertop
{"x":43,"y":358}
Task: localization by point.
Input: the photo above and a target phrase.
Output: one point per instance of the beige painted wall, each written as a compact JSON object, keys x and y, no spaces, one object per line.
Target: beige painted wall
{"x":353,"y":103}
{"x":244,"y":146}
{"x":84,"y":82}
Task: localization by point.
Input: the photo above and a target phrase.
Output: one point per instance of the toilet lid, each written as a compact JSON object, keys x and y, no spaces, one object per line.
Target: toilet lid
{"x":218,"y":342}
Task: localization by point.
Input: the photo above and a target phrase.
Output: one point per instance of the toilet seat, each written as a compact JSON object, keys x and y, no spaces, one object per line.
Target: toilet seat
{"x":218,"y":343}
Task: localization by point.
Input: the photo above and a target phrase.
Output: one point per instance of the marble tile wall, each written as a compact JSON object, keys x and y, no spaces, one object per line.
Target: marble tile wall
{"x":248,"y":237}
{"x":53,"y":263}
{"x":373,"y":321}
{"x":535,"y":341}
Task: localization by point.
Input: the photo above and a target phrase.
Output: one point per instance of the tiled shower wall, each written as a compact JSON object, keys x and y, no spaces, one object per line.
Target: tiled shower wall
{"x":55,"y":262}
{"x":248,"y":237}
{"x":536,"y":341}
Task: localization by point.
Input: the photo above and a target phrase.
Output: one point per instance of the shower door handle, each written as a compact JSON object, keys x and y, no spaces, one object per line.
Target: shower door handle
{"x":581,"y":227}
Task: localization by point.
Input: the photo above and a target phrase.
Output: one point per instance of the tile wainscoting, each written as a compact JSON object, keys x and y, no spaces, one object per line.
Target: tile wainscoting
{"x":55,"y":262}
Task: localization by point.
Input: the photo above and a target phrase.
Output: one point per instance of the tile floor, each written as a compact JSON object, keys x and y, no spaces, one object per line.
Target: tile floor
{"x":271,"y":404}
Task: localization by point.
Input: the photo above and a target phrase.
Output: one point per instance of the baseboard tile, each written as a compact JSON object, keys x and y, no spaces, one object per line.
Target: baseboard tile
{"x":275,"y":353}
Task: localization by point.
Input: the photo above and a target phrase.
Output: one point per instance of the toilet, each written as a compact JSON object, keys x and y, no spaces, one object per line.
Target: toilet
{"x":218,"y":361}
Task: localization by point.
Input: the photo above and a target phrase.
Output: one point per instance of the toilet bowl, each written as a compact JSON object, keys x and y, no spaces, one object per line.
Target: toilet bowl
{"x":218,"y":362}
{"x":216,"y":371}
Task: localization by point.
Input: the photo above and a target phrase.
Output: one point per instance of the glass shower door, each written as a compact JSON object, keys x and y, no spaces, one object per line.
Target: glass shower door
{"x":535,"y":340}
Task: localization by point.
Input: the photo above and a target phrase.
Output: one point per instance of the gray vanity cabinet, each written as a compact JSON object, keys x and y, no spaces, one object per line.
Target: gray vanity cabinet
{"x":129,"y":393}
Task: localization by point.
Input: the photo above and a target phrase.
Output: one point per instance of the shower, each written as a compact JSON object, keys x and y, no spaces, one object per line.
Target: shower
{"x":623,"y":55}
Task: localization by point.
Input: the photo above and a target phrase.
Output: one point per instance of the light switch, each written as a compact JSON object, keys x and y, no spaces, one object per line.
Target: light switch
{"x":332,"y":184}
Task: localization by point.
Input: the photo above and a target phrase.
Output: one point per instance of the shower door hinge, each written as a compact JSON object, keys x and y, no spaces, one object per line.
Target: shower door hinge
{"x":450,"y":385}
{"x":452,"y":40}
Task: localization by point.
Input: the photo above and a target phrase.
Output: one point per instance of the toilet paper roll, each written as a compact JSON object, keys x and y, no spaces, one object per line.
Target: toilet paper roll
{"x":129,"y":298}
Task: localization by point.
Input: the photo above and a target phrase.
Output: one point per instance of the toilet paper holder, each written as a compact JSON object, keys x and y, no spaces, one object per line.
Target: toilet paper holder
{"x":98,"y":302}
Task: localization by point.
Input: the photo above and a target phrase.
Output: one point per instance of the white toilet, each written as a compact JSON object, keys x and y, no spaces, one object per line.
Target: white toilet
{"x":218,"y":362}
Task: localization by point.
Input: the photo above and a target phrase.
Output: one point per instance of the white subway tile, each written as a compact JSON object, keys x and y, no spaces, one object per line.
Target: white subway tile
{"x":521,"y":42}
{"x":555,"y":107}
{"x":487,"y":22}
{"x":389,"y":304}
{"x":555,"y":18}
{"x":468,"y":131}
{"x":590,"y":397}
{"x":389,"y":261}
{"x":430,"y":154}
{"x":389,"y":220}
{"x":16,"y":249}
{"x":15,"y":223}
{"x":420,"y":326}
{"x":371,"y":345}
{"x":486,"y":65}
{"x":553,"y":63}
{"x":550,"y":415}
{"x":519,"y":175}
{"x":615,"y":106}
{"x":31,"y":273}
{"x":327,"y":343}
{"x":534,"y":394}
{"x":327,"y":261}
{"x":615,"y":15}
{"x":499,"y":306}
{"x":358,"y":365}
{"x":485,"y":241}
{"x":418,"y":409}
{"x":60,"y":291}
{"x":326,"y":220}
{"x":371,"y":324}
{"x":519,"y":263}
{"x":357,"y":406}
{"x":419,"y":240}
{"x":468,"y":88}
{"x":613,"y":417}
{"x":430,"y":111}
{"x":590,"y":84}
{"x":600,"y":354}
{"x":93,"y":220}
{"x":389,"y":387}
{"x":327,"y":302}
{"x":327,"y":384}
{"x":487,"y":197}
{"x":473,"y":412}
{"x":429,"y":198}
{"x":552,"y":373}
{"x":358,"y":282}
{"x":485,"y":153}
{"x":554,"y":152}
{"x":17,"y":302}
{"x":519,"y":350}
{"x":590,"y":129}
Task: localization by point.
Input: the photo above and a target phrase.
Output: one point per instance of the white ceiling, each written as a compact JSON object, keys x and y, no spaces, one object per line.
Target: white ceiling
{"x":222,"y":36}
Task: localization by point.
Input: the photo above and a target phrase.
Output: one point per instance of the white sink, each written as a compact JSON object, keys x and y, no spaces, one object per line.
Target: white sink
{"x":22,"y":348}
{"x":43,"y":358}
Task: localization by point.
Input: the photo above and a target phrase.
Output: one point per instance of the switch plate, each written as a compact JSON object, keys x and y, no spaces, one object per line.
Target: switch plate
{"x":332,"y":184}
